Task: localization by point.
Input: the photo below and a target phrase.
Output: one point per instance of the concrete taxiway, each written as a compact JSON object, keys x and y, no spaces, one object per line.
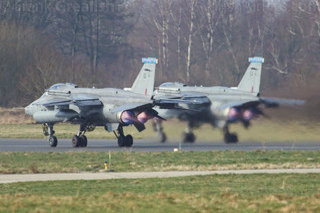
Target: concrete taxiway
{"x":64,"y":145}
{"x":134,"y":175}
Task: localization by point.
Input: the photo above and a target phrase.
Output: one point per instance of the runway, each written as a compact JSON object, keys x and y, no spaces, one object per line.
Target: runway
{"x":64,"y":145}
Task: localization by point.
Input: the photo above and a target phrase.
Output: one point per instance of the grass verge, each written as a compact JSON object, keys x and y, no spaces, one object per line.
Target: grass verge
{"x":222,"y":193}
{"x":163,"y":161}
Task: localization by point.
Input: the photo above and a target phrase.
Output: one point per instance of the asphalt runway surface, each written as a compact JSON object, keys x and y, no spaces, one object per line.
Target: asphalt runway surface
{"x":134,"y":175}
{"x":64,"y":145}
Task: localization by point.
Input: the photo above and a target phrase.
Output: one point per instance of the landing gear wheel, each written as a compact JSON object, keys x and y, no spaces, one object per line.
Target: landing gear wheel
{"x":162,"y":137}
{"x":121,"y":141}
{"x":53,"y":141}
{"x":76,"y":141}
{"x":231,"y":138}
{"x":84,"y":141}
{"x":128,"y":141}
{"x":189,"y":137}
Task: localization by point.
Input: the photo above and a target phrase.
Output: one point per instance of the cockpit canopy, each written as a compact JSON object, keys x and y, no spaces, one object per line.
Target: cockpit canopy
{"x":62,"y":86}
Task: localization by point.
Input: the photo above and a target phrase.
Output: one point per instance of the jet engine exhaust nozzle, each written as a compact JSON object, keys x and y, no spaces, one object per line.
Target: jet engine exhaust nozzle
{"x":233,"y":114}
{"x":248,"y":115}
{"x":127,"y":117}
{"x":143,"y":117}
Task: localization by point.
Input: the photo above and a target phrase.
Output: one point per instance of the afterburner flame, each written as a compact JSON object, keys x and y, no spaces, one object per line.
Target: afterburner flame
{"x":233,"y":114}
{"x":127,"y":117}
{"x":143,"y":117}
{"x":248,"y":115}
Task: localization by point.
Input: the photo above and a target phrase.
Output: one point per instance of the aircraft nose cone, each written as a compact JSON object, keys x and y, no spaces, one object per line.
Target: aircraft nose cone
{"x":28,"y":110}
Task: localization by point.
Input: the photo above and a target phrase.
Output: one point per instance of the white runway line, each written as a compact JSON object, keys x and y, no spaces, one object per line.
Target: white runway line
{"x":136,"y":175}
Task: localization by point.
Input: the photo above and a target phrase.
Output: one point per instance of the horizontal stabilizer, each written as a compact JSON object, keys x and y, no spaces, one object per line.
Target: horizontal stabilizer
{"x":276,"y":102}
{"x":239,"y":104}
{"x":159,"y":117}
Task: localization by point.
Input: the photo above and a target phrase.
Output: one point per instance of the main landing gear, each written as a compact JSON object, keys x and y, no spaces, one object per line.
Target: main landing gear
{"x":188,"y":136}
{"x":80,"y":140}
{"x":229,"y":137}
{"x":157,"y":127}
{"x":123,"y":140}
{"x":48,"y":131}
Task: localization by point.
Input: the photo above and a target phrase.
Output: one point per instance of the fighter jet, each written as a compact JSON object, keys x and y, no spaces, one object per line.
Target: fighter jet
{"x":223,"y":106}
{"x":90,"y":107}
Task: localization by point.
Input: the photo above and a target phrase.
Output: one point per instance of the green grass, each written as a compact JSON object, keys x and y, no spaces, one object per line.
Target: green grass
{"x":223,"y":193}
{"x":261,"y":131}
{"x":162,"y":161}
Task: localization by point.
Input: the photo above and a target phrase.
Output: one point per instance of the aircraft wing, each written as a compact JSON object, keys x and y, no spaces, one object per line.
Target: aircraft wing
{"x":56,"y":100}
{"x":186,"y":98}
{"x":133,"y":106}
{"x":90,"y":102}
{"x":78,"y":100}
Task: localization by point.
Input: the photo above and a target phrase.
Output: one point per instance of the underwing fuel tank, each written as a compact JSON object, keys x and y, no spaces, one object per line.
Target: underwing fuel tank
{"x":54,"y":116}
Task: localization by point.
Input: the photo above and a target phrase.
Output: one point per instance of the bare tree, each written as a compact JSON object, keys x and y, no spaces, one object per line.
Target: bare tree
{"x":228,"y":27}
{"x":176,"y":16}
{"x":161,"y":22}
{"x":211,"y":16}
{"x":191,"y":33}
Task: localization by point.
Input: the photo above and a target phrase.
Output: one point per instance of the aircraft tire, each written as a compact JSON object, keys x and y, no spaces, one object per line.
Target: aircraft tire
{"x":121,"y":141}
{"x":189,"y":137}
{"x":234,"y":138}
{"x":53,"y":141}
{"x":84,"y":141}
{"x":76,"y":141}
{"x":162,"y":137}
{"x":231,"y":138}
{"x":128,"y":141}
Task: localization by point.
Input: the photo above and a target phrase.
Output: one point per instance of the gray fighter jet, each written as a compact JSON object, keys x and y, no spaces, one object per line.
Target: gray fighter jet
{"x":91,"y":107}
{"x":222,"y":107}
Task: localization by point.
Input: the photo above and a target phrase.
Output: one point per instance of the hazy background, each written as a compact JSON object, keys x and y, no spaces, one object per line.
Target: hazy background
{"x":205,"y":42}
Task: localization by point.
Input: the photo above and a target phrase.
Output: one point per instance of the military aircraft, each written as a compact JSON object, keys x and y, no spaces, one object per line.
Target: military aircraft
{"x":222,"y":107}
{"x":91,"y":107}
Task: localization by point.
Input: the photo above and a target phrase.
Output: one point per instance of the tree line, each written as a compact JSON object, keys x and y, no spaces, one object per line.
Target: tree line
{"x":206,"y":42}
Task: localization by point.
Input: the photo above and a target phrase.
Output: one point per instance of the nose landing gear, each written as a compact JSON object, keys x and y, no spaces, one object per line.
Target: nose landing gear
{"x":48,"y":131}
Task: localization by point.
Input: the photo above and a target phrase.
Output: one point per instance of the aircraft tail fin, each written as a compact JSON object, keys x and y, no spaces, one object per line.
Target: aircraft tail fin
{"x":144,"y":83}
{"x":250,"y":82}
